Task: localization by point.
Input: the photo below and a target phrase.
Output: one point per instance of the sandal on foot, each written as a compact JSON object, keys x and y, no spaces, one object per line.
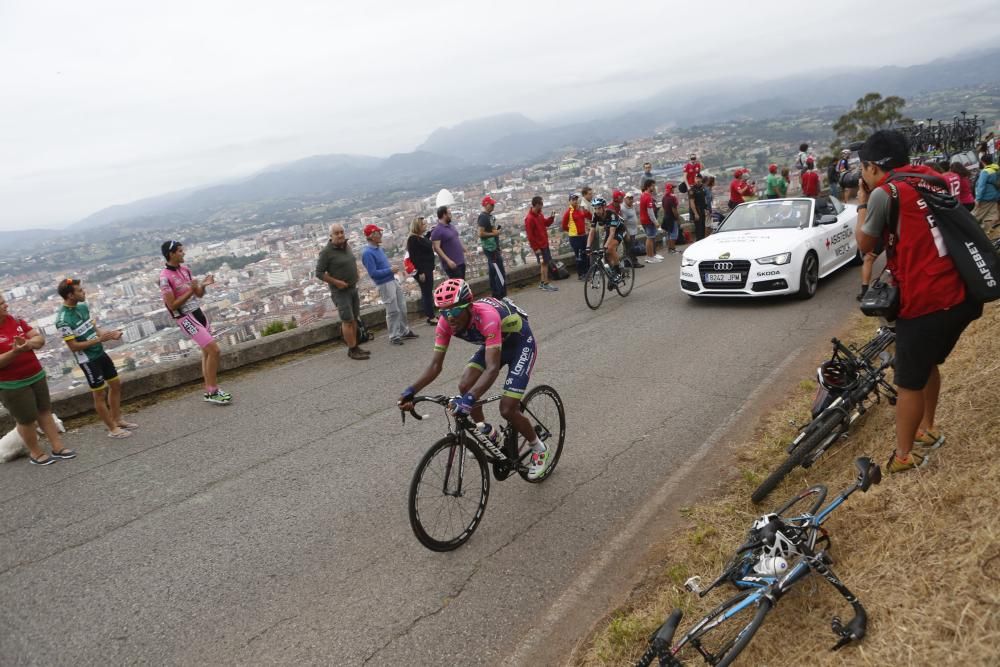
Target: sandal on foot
{"x":128,"y":425}
{"x":121,"y":433}
{"x":64,"y":454}
{"x":38,"y":462}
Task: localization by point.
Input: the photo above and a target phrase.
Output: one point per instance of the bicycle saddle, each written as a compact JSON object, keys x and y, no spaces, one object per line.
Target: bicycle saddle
{"x":868,"y":472}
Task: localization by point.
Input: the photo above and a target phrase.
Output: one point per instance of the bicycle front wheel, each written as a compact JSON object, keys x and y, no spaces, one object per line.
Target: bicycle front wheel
{"x":544,"y":409}
{"x":823,"y":427}
{"x":448,"y":494}
{"x":593,"y":286}
{"x":719,"y":637}
{"x":627,"y":282}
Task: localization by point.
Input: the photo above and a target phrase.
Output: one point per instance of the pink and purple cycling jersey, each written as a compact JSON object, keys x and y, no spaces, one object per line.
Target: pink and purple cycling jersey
{"x":493,"y":322}
{"x":177,"y":281}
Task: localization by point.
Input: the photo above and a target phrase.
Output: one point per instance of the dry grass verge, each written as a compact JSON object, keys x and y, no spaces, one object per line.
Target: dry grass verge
{"x":921,"y":551}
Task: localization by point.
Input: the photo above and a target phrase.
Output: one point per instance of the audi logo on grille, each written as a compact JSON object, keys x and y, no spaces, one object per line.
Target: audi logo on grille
{"x":723,"y":266}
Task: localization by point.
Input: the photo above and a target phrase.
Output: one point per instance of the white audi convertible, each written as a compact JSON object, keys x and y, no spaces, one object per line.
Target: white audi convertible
{"x":772,"y":246}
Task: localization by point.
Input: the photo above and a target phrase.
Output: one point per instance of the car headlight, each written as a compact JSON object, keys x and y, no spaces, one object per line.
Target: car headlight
{"x":782,"y":258}
{"x":687,"y":261}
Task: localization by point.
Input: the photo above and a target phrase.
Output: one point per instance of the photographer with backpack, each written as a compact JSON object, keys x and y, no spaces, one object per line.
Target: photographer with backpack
{"x":935,"y":305}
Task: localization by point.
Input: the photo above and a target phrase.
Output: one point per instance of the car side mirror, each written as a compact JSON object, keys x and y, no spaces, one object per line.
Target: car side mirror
{"x":827,"y":219}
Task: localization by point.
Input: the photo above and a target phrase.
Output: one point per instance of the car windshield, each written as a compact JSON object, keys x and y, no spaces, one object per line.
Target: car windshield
{"x":769,"y":214}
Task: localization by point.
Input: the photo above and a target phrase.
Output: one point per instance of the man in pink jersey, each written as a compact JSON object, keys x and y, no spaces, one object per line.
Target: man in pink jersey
{"x":181,"y":294}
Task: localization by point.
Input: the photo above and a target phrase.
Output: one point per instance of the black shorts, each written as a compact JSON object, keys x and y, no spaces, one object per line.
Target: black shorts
{"x":544,"y":256}
{"x":926,"y":341}
{"x":99,"y":372}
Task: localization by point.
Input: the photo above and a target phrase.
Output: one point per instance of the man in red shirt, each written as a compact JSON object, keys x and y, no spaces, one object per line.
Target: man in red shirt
{"x":691,"y":170}
{"x":810,"y":180}
{"x":647,"y":218}
{"x":738,"y":189}
{"x":24,"y":391}
{"x":933,"y":310}
{"x":536,"y":227}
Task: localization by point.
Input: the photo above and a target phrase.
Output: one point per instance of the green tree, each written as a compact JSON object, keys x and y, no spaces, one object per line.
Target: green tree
{"x":871,"y":113}
{"x":274,"y":327}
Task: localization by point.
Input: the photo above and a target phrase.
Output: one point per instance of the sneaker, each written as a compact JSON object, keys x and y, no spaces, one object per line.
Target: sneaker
{"x":637,"y":265}
{"x":65,"y":454}
{"x":658,"y":256}
{"x":363,"y":351}
{"x":548,"y":287}
{"x":218,"y":397}
{"x":653,"y":260}
{"x":38,"y":462}
{"x":673,"y":251}
{"x":539,"y":464}
{"x":396,"y":341}
{"x":357,"y":353}
{"x":431,"y":322}
{"x":411,"y":334}
{"x":927,"y":440}
{"x":912,"y":462}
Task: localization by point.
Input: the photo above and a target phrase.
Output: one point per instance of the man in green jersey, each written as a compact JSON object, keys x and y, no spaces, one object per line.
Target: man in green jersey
{"x":84,"y":340}
{"x":777,"y":187}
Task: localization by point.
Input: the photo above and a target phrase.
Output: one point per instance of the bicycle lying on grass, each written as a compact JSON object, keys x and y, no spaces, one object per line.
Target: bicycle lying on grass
{"x":849,"y":385}
{"x":781,"y":550}
{"x":451,"y":484}
{"x":601,"y":278}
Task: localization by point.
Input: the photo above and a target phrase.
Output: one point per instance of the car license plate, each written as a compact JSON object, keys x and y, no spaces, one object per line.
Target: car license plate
{"x":723,"y":277}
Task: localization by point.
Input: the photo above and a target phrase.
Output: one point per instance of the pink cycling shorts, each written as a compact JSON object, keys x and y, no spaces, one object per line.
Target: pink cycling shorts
{"x":195,"y":329}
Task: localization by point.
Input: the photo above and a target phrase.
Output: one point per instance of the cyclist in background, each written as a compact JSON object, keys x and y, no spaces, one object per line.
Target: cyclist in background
{"x":181,"y":294}
{"x":614,"y":232}
{"x":501,"y":331}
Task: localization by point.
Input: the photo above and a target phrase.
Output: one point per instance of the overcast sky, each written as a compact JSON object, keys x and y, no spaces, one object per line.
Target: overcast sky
{"x":104,"y":102}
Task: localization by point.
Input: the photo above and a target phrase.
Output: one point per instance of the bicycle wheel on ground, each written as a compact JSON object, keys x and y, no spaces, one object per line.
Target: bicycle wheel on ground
{"x":544,"y":409}
{"x":448,"y":494}
{"x":624,"y":286}
{"x":593,"y":285}
{"x":822,"y":428}
{"x":719,"y":637}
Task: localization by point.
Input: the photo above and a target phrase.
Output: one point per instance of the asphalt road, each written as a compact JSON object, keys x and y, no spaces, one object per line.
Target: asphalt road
{"x":275,"y":530}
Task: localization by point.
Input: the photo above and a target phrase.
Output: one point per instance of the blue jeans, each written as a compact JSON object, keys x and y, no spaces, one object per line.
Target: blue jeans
{"x":579,"y":245}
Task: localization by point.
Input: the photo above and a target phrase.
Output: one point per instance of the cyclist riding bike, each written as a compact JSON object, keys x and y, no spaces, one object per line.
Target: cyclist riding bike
{"x":501,"y":330}
{"x":614,"y":231}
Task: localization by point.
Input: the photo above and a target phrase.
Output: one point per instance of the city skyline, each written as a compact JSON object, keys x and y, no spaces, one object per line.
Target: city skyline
{"x":113,"y":102}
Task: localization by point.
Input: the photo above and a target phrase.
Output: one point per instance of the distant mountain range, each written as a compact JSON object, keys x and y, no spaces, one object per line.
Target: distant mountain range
{"x":485,"y":146}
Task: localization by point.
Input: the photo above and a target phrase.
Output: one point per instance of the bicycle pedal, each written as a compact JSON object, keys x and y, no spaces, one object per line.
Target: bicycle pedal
{"x":693,"y":584}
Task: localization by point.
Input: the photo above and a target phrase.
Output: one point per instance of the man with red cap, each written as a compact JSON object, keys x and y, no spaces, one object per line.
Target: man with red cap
{"x":389,"y":290}
{"x":739,"y":188}
{"x":776,"y":185}
{"x":489,"y":238}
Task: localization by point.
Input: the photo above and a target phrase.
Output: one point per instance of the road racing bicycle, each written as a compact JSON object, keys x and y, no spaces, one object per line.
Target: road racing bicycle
{"x":850,"y":384}
{"x":782,"y":548}
{"x":451,"y":484}
{"x":601,"y":278}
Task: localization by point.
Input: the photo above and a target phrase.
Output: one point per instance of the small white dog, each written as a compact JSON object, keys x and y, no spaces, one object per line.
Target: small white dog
{"x":12,"y":445}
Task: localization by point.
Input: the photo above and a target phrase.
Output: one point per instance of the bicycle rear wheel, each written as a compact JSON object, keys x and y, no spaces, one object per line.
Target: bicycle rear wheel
{"x":822,"y":428}
{"x":448,"y":494}
{"x":544,"y":409}
{"x":624,"y":287}
{"x":594,"y":288}
{"x":719,"y":637}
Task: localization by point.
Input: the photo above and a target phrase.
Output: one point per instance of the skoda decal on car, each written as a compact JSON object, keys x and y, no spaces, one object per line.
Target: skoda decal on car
{"x":774,"y":246}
